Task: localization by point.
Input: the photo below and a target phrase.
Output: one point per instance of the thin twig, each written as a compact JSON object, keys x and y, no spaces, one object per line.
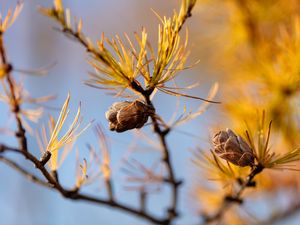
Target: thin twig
{"x":229,"y":200}
{"x":15,"y":107}
{"x":109,"y":188}
{"x":167,"y":160}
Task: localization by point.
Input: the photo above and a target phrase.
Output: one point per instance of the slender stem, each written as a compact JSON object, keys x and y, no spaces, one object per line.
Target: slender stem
{"x":15,"y":107}
{"x":143,"y":200}
{"x":174,"y":183}
{"x":109,"y":188}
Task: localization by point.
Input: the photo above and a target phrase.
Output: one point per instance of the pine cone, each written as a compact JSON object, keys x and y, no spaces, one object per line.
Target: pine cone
{"x":128,"y":115}
{"x":233,"y":148}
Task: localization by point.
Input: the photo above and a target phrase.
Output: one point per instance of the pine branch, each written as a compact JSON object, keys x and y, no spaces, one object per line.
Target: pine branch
{"x":72,"y":194}
{"x":229,"y":200}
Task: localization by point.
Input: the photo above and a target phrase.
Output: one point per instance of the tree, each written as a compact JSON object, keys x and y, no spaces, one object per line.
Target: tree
{"x":137,"y":70}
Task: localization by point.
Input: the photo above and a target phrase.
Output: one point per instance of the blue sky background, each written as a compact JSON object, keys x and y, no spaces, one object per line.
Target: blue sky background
{"x":32,"y":43}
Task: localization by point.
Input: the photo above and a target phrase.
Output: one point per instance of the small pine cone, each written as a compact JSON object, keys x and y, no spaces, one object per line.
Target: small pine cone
{"x":128,"y":115}
{"x":233,"y":148}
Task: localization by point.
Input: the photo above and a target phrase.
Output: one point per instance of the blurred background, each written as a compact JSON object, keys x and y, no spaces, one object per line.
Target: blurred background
{"x":251,"y":48}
